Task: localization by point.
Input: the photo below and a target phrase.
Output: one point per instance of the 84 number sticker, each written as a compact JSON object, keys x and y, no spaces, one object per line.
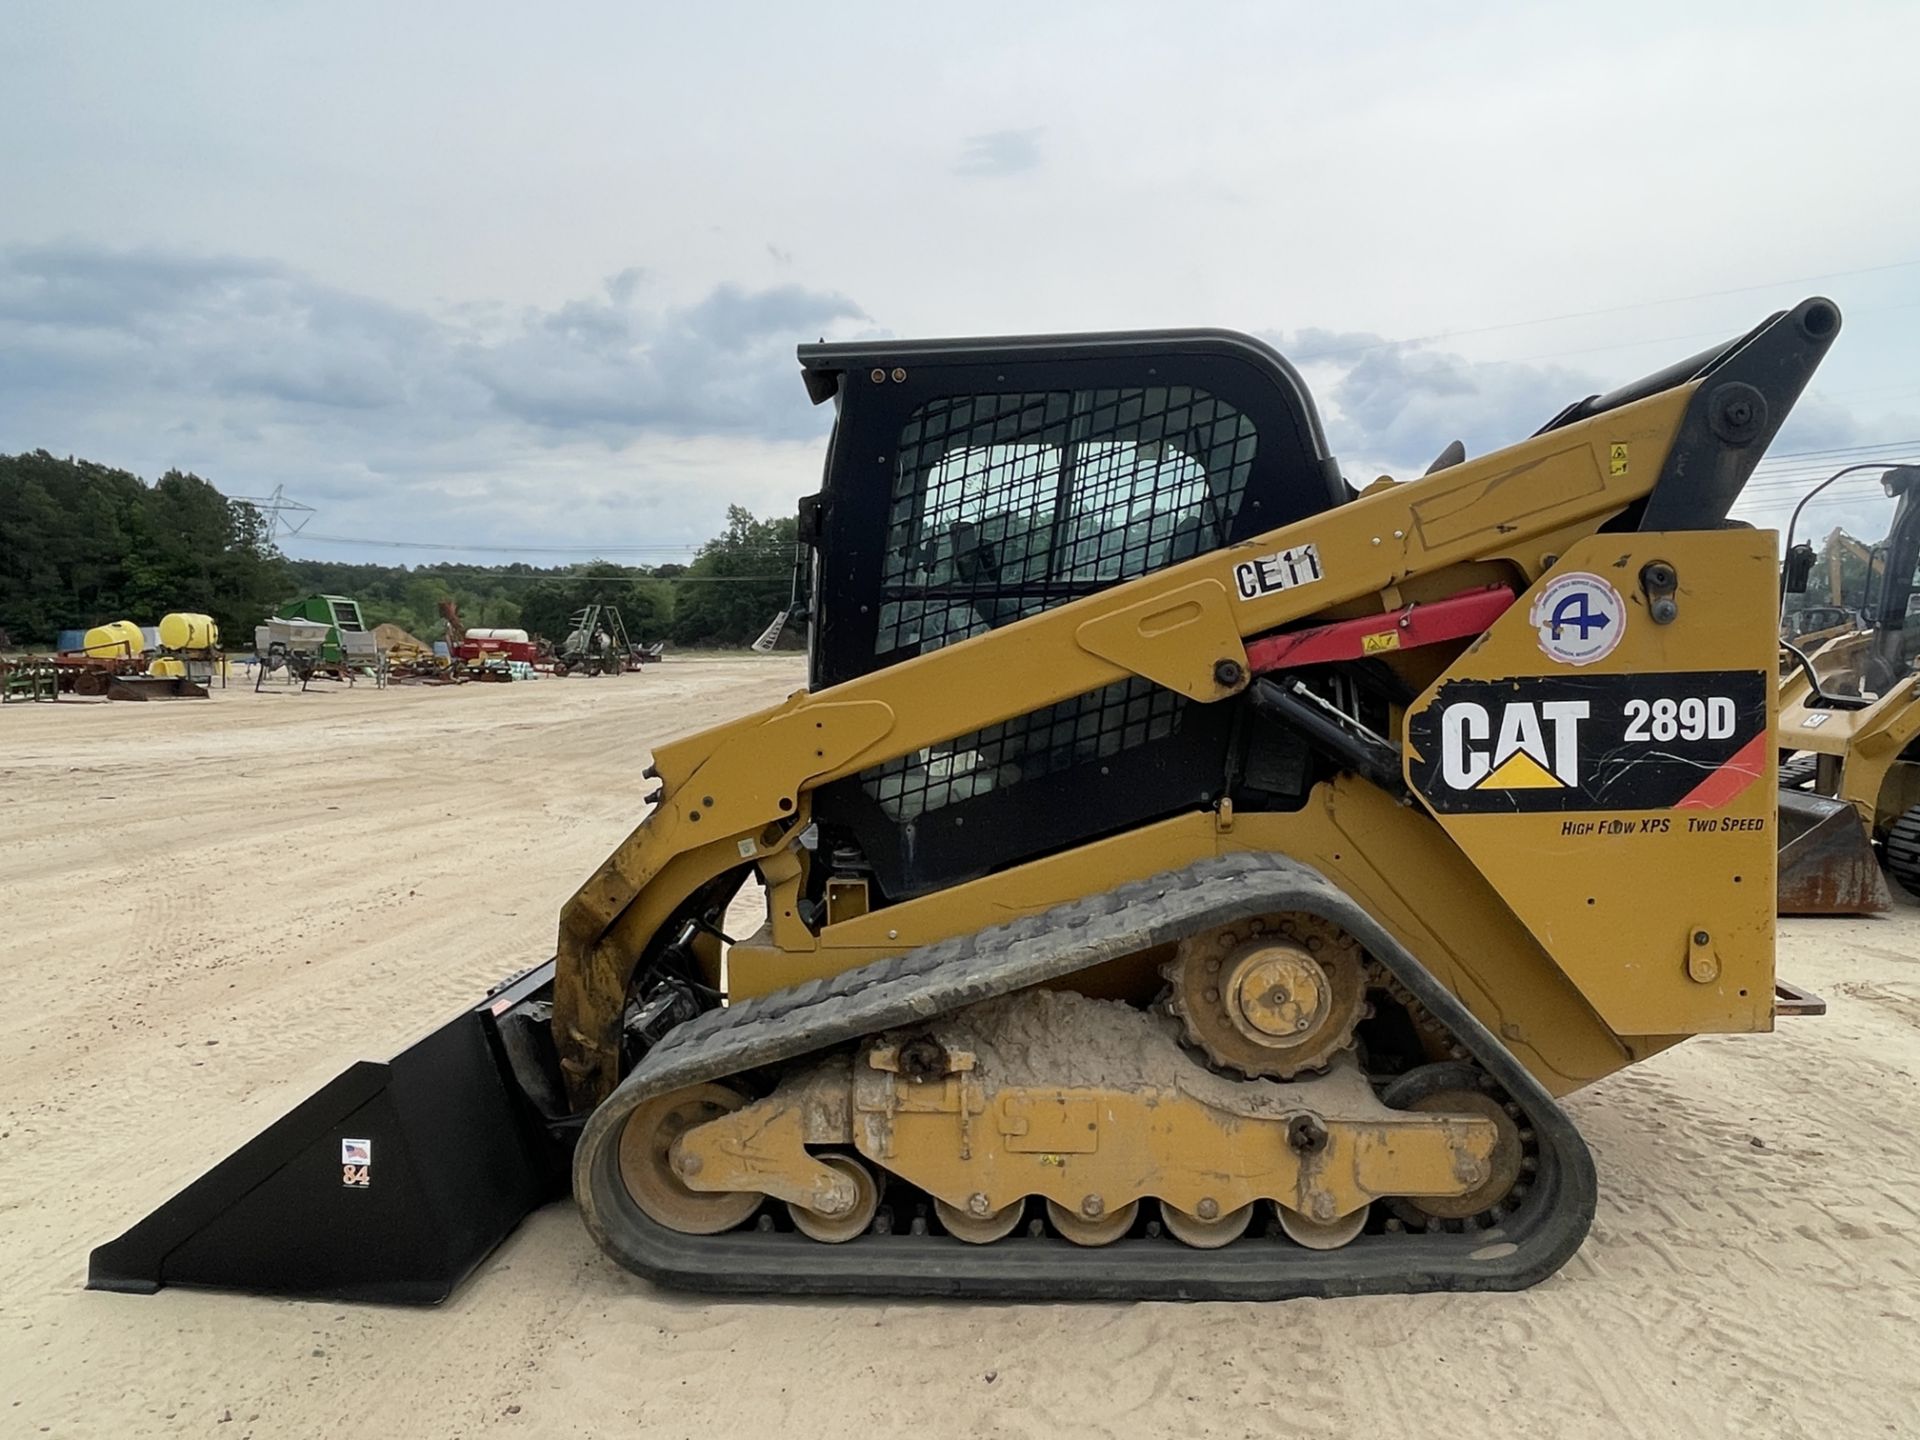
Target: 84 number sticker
{"x":356,"y":1164}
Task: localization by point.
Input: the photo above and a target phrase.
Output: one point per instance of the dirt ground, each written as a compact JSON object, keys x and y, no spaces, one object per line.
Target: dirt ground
{"x":208,"y":910}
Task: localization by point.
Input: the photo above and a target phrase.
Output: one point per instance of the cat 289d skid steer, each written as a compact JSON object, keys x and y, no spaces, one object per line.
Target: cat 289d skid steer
{"x":1183,"y":877}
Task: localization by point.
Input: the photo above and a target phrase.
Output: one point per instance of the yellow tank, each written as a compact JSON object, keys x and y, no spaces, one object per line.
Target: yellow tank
{"x":188,"y":632}
{"x":116,"y":640}
{"x":167,"y":668}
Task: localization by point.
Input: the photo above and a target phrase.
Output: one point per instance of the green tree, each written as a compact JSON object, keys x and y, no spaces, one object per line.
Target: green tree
{"x":548,"y":605}
{"x":82,"y":543}
{"x":739,"y":581}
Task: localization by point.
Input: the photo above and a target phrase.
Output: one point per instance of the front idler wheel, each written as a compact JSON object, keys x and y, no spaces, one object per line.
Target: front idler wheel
{"x":651,"y":1176}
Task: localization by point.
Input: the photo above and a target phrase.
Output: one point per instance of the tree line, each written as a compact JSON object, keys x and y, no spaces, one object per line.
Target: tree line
{"x":82,"y":543}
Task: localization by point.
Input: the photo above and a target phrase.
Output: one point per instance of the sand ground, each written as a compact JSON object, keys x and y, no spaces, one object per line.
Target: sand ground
{"x":207,"y":910}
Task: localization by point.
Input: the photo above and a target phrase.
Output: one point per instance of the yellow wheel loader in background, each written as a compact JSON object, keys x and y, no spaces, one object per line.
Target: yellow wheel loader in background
{"x":1183,"y":877}
{"x":1850,"y":721}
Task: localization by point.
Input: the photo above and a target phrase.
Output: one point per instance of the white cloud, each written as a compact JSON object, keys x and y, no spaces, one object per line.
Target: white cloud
{"x":601,"y":415}
{"x":999,"y":152}
{"x":364,"y":248}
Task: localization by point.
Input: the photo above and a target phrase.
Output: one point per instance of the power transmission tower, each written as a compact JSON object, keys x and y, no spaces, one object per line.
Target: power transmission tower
{"x":278,"y":509}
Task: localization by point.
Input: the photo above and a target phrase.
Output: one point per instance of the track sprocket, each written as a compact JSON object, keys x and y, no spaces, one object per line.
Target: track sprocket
{"x":1274,"y":996}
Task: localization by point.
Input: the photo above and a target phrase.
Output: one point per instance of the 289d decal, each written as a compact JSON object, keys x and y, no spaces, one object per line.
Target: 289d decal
{"x":1695,"y":718}
{"x":1590,"y":742}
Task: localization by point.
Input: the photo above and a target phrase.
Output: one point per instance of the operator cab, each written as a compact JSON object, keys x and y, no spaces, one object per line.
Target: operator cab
{"x":1848,"y":603}
{"x":973,"y":483}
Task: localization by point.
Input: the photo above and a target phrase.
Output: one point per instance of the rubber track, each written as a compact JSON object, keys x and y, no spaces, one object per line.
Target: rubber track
{"x":1902,"y":851}
{"x":889,"y":994}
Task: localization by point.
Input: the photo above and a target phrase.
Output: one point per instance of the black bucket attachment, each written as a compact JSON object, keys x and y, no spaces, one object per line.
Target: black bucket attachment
{"x":1827,"y":865}
{"x":390,"y":1184}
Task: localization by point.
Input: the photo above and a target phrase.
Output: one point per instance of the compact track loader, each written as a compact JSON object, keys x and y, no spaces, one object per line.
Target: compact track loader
{"x":1850,"y":728}
{"x":1183,"y":877}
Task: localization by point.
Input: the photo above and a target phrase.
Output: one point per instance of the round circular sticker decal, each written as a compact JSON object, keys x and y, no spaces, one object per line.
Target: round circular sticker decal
{"x":1579,"y":618}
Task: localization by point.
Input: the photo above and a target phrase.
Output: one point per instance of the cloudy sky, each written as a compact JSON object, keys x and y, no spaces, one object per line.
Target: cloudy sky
{"x":530,"y":277}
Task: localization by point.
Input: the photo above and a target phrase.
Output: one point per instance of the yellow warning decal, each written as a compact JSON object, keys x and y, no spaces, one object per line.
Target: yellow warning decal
{"x":1617,"y":458}
{"x":1375,"y":644}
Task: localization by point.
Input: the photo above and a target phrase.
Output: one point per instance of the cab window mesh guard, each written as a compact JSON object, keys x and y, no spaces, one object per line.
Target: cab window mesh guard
{"x":1006,"y":505}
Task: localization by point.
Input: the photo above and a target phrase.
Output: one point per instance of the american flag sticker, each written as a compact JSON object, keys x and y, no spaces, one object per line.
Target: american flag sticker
{"x":356,"y":1152}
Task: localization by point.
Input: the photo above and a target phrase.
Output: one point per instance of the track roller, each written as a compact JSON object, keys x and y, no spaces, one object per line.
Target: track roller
{"x":835,"y":1229}
{"x":1103,"y":1227}
{"x":980,"y":1229}
{"x":1208,"y":1234}
{"x":1321,"y":1234}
